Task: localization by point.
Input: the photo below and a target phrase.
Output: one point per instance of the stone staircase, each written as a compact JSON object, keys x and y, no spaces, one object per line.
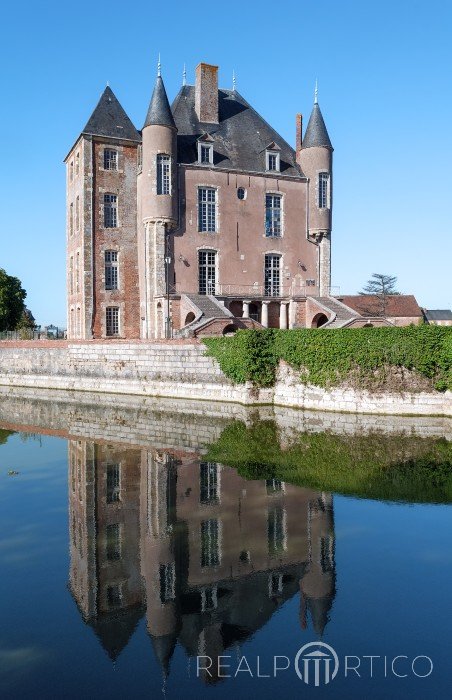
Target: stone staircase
{"x":339,"y":312}
{"x":209,"y":306}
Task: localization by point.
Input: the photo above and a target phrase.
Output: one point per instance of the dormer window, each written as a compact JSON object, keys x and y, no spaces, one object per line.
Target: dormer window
{"x":205,"y":150}
{"x":272,"y":158}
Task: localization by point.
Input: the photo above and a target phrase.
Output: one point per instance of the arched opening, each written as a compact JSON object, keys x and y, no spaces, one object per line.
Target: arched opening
{"x":189,"y":317}
{"x":319,"y":320}
{"x":368,"y":325}
{"x":230,"y":329}
{"x":236,"y":308}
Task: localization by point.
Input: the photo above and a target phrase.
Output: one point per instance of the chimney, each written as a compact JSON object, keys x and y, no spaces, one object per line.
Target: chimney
{"x":298,"y":132}
{"x":206,"y":93}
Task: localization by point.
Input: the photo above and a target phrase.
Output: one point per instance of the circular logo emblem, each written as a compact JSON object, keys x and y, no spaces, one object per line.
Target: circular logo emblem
{"x":316,"y":663}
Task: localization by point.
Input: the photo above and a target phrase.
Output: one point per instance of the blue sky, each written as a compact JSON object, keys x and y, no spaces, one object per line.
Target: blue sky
{"x":384,"y":90}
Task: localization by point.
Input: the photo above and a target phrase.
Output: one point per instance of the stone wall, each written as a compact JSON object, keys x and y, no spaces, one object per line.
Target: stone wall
{"x":180,"y":369}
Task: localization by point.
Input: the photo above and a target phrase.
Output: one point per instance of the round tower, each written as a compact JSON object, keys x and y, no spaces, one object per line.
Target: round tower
{"x":157,"y":211}
{"x":315,"y":157}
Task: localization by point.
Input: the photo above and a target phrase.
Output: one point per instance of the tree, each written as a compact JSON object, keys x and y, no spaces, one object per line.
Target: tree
{"x":379,"y":287}
{"x":12,"y":301}
{"x":27,"y":320}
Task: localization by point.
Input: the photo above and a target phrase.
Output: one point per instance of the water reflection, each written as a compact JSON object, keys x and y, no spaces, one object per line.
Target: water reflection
{"x":205,"y":554}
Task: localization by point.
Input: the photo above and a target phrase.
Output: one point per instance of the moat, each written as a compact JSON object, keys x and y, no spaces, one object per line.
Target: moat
{"x":192,"y":551}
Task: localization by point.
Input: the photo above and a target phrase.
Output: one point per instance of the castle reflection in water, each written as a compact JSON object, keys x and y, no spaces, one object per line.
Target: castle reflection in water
{"x":206,"y":555}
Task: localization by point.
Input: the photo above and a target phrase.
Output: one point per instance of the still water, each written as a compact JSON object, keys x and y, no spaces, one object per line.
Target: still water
{"x":133,"y":564}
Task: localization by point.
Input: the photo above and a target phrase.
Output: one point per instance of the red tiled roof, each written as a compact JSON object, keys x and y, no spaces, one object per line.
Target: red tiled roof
{"x":397,"y":305}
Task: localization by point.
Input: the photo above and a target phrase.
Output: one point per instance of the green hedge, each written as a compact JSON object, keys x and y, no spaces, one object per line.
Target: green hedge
{"x":385,"y":467}
{"x":327,"y":357}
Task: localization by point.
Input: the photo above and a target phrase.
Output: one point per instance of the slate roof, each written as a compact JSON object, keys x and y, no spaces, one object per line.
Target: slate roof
{"x":316,"y":133}
{"x":239,"y":139}
{"x":110,"y":120}
{"x":397,"y":305}
{"x":159,"y":111}
{"x":438,"y":314}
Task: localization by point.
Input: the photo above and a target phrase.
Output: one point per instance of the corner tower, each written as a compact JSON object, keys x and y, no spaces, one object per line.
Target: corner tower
{"x":157,"y":208}
{"x":315,"y":157}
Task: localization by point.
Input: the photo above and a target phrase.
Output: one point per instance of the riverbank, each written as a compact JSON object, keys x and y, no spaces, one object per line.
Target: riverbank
{"x":182,"y":370}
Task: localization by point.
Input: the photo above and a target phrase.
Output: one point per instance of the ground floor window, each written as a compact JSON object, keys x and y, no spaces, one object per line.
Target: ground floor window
{"x":112,"y":320}
{"x":207,"y":264}
{"x":272,"y":275}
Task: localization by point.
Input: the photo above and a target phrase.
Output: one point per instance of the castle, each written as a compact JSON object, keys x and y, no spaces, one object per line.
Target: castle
{"x":205,"y":221}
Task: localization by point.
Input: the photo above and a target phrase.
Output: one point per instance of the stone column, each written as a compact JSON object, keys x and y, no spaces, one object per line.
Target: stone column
{"x":292,"y":313}
{"x":264,"y":314}
{"x":283,"y":315}
{"x":246,"y":309}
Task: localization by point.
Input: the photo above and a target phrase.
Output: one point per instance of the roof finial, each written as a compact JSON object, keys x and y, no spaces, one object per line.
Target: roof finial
{"x":184,"y":76}
{"x":316,"y":93}
{"x":159,"y":68}
{"x":234,"y":82}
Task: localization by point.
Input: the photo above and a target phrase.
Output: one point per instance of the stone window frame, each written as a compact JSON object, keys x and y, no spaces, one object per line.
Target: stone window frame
{"x":107,"y":160}
{"x":112,"y":308}
{"x":77,"y":163}
{"x":281,"y":272}
{"x":270,"y":154}
{"x":163,"y":181}
{"x":207,"y":147}
{"x":107,"y":302}
{"x":209,"y":249}
{"x":71,"y":170}
{"x":71,"y":219}
{"x":77,"y":213}
{"x":111,"y":249}
{"x":103,"y":192}
{"x":323,"y":193}
{"x":202,"y":186}
{"x":275,"y":193}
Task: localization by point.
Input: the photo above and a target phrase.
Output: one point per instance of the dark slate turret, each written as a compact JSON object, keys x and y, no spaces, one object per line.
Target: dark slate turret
{"x":316,"y":133}
{"x":110,"y":120}
{"x":159,"y":112}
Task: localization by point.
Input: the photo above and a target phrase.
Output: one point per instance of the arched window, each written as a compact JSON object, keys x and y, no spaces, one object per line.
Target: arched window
{"x":163,"y":174}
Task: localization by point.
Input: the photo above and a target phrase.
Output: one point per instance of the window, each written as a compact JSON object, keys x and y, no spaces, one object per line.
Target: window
{"x":208,"y":482}
{"x":207,"y":209}
{"x":273,"y":486}
{"x":163,"y":174}
{"x":210,"y":543}
{"x":71,"y":171}
{"x":276,"y":530}
{"x":272,"y":275}
{"x":205,"y":153}
{"x":111,"y":269}
{"x":113,"y":483}
{"x":167,"y":582}
{"x":112,"y":320}
{"x":207,"y":263}
{"x":114,"y":596}
{"x":71,"y":275}
{"x":323,"y":191}
{"x":241,"y":193}
{"x":114,"y":542}
{"x":110,"y":210}
{"x":327,"y":553}
{"x":77,"y":163}
{"x":275,"y":585}
{"x":209,"y":598}
{"x":77,"y":213}
{"x":140,"y":158}
{"x":77,"y":272}
{"x":273,"y":215}
{"x":110,"y":159}
{"x":272,"y":158}
{"x":71,"y":219}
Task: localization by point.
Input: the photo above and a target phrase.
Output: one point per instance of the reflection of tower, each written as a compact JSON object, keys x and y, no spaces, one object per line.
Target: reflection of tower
{"x":318,"y":585}
{"x":104,"y":535}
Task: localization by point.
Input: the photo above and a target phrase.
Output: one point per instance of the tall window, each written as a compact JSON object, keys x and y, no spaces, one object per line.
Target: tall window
{"x":114,"y":596}
{"x":167,"y":582}
{"x":71,"y":219}
{"x":210,"y":542}
{"x":71,"y":275}
{"x":71,"y":171}
{"x":274,"y":486}
{"x":112,"y":320}
{"x":207,"y":209}
{"x":111,"y":269}
{"x":110,"y":210}
{"x":272,"y":275}
{"x":77,"y":272}
{"x":113,"y":483}
{"x":77,"y":213}
{"x":110,"y":159}
{"x":163,"y":174}
{"x":114,"y":542}
{"x":208,"y":482}
{"x":77,"y":163}
{"x":207,"y":271}
{"x":140,"y":158}
{"x":273,"y":215}
{"x":323,"y":190}
{"x":276,"y":530}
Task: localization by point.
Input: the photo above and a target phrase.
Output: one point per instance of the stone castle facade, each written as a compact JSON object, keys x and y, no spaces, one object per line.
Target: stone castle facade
{"x":205,"y":221}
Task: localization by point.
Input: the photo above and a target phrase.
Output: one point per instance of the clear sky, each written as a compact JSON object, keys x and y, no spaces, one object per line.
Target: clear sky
{"x":384,"y":72}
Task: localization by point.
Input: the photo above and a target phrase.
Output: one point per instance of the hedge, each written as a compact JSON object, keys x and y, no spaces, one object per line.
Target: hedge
{"x":328,"y":357}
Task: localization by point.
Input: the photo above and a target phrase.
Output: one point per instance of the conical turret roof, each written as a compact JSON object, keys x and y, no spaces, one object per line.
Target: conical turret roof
{"x":159,"y":111}
{"x":110,"y":120}
{"x":316,"y":133}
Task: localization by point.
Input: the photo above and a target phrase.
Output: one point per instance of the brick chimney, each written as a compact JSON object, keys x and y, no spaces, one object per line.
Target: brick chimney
{"x":298,"y":132}
{"x":206,"y":93}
